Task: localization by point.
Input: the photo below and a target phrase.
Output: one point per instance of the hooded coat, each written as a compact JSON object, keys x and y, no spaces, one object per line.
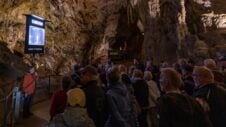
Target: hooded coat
{"x":72,"y":117}
{"x":122,"y":113}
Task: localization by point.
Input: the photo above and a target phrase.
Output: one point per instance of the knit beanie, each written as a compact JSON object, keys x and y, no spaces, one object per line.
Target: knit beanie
{"x":76,"y":97}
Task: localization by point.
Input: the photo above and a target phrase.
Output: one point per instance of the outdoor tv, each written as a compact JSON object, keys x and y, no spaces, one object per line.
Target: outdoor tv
{"x":35,"y":34}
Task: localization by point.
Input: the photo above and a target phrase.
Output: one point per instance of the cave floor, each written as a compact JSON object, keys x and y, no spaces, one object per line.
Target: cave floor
{"x":40,"y":116}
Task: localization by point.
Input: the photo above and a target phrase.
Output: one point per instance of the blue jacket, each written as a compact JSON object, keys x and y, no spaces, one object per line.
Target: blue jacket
{"x":121,"y":111}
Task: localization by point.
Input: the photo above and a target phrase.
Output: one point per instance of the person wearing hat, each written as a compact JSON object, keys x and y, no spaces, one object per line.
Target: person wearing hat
{"x":29,"y":85}
{"x":95,"y":96}
{"x":75,"y":115}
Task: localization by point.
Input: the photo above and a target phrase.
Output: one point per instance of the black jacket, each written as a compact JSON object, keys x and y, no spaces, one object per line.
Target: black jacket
{"x":178,"y":110}
{"x":122,"y":113}
{"x":189,"y":85}
{"x":215,"y":96}
{"x":141,"y":92}
{"x":95,"y":102}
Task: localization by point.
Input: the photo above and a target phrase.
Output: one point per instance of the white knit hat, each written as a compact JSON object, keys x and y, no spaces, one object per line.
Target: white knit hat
{"x":76,"y":97}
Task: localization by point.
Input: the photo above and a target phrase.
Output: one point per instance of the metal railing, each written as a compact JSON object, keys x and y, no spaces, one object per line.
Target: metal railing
{"x":46,"y":85}
{"x":10,"y":104}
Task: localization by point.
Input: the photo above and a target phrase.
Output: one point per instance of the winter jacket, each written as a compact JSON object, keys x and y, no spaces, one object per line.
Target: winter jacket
{"x":178,"y":110}
{"x":154,"y":93}
{"x":29,"y":83}
{"x":58,"y":103}
{"x":72,"y":117}
{"x":141,"y":92}
{"x":215,"y":96}
{"x":95,"y":102}
{"x":122,"y":113}
{"x":189,"y":85}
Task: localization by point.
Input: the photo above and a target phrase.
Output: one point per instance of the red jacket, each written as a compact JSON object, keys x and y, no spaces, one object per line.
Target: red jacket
{"x":29,"y":83}
{"x":58,"y":103}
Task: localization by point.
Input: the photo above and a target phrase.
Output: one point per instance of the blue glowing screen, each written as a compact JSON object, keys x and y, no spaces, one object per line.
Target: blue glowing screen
{"x":36,"y":36}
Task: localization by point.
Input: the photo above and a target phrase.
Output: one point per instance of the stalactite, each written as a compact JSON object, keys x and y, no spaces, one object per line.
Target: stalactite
{"x":130,"y":14}
{"x":154,"y":8}
{"x":182,"y":27}
{"x":143,"y":9}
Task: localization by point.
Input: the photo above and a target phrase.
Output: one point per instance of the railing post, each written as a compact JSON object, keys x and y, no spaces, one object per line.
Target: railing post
{"x":17,"y":102}
{"x":5,"y":112}
{"x":49,"y":85}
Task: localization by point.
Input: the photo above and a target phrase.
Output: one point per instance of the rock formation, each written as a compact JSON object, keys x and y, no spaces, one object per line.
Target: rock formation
{"x":85,"y":30}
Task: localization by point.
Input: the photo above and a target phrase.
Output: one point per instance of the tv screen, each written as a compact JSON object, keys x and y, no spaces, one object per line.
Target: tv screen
{"x":36,"y":36}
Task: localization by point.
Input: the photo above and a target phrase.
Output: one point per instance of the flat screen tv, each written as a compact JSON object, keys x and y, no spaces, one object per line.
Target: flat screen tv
{"x":35,"y":34}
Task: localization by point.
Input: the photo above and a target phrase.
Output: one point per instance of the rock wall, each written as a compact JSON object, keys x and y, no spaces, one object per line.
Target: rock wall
{"x":183,"y":29}
{"x":85,"y":30}
{"x":78,"y":31}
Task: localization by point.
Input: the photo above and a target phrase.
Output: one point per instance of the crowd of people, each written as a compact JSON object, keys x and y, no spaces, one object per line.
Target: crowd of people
{"x":144,"y":95}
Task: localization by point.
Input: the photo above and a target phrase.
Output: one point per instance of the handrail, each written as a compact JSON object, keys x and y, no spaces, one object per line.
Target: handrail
{"x":2,"y":100}
{"x":6,"y":97}
{"x":9,"y":110}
